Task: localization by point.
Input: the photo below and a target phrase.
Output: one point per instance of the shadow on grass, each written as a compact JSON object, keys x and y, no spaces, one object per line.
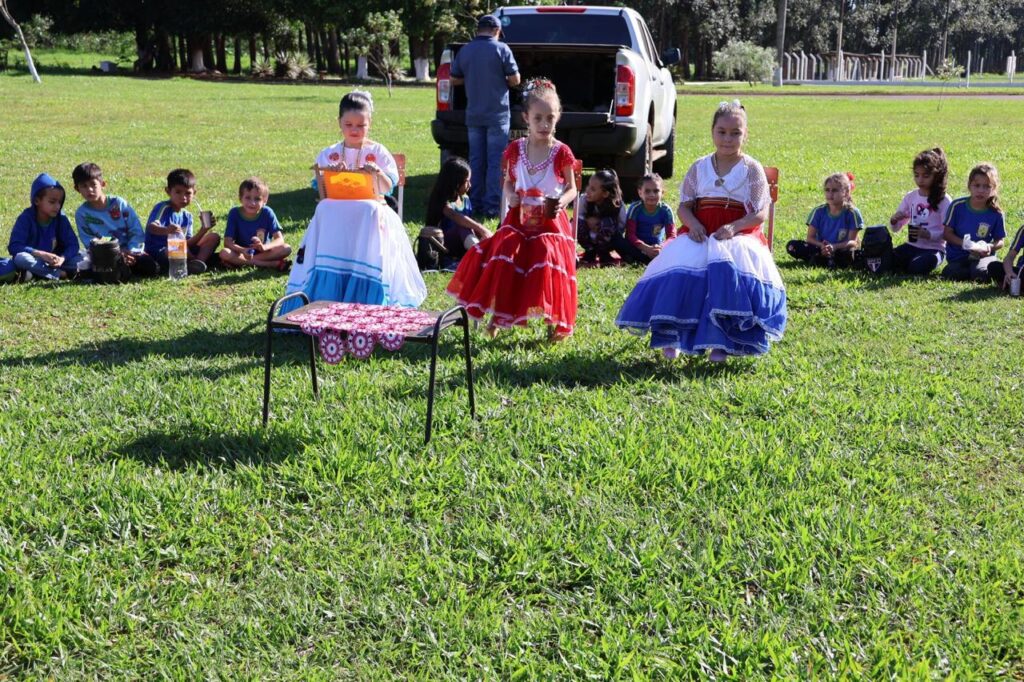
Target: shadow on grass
{"x":232,"y":277}
{"x":976,"y":294}
{"x":585,"y":370}
{"x":183,"y":451}
{"x":246,"y":346}
{"x":861,"y":278}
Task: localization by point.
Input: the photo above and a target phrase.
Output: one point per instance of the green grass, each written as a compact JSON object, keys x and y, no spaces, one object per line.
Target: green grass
{"x":847,"y":505}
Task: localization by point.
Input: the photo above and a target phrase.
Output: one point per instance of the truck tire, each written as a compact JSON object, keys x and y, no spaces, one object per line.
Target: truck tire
{"x":665,"y":165}
{"x":632,"y":169}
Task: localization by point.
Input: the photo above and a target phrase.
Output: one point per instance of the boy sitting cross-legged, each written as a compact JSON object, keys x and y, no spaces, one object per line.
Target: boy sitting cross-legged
{"x":109,"y":217}
{"x":167,"y":217}
{"x":253,"y":237}
{"x":42,"y":242}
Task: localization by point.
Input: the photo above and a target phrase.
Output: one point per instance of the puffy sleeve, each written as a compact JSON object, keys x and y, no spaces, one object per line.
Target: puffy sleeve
{"x":382,"y":157}
{"x":688,"y":189}
{"x":564,"y":159}
{"x":509,"y":159}
{"x":757,"y":181}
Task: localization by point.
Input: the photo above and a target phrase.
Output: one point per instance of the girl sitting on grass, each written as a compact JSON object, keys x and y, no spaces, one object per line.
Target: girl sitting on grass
{"x":832,"y":227}
{"x":974,"y":227}
{"x":602,"y":218}
{"x":923,"y":208}
{"x":449,"y":209}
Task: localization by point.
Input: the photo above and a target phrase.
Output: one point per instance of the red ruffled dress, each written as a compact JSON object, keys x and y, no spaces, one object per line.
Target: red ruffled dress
{"x":527,"y":269}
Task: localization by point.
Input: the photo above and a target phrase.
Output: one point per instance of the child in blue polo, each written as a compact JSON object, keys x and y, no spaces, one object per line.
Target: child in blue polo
{"x":42,"y":242}
{"x":832,"y":227}
{"x":974,"y":228}
{"x":169,"y":216}
{"x":253,"y":236}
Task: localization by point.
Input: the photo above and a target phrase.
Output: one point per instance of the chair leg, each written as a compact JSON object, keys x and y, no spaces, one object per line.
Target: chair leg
{"x":312,"y":365}
{"x":267,"y":357}
{"x":430,"y":388}
{"x":469,"y":363}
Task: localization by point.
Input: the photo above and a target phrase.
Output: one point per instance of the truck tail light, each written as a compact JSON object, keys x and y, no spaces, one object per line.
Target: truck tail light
{"x":444,"y":87}
{"x":625,"y":90}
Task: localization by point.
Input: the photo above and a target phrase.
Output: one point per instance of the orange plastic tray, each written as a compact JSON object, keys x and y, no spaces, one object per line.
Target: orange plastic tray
{"x":349,"y":185}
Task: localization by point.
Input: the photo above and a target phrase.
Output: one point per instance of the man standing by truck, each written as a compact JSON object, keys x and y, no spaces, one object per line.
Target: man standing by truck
{"x":487,"y":69}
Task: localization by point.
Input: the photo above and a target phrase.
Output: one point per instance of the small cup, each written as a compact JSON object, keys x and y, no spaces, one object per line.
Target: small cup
{"x":550,"y":207}
{"x":206,"y":219}
{"x":1015,"y":286}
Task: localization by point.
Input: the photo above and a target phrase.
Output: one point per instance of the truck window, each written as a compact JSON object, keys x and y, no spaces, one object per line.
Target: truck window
{"x":572,"y":29}
{"x":649,"y":42}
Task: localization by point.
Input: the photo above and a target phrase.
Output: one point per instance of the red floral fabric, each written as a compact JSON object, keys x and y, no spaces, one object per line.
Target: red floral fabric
{"x":357,"y":328}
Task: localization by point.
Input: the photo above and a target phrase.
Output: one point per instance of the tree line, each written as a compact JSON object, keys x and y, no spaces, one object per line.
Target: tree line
{"x":184,"y":34}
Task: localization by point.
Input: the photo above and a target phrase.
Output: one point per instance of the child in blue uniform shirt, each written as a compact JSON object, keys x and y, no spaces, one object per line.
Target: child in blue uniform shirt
{"x":103,"y":216}
{"x":167,"y":217}
{"x":253,"y":236}
{"x":975,"y":220}
{"x":832,"y":227}
{"x":649,"y":223}
{"x":42,"y":242}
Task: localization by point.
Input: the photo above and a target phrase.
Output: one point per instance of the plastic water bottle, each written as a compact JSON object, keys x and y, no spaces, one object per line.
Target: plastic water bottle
{"x":177,"y":255}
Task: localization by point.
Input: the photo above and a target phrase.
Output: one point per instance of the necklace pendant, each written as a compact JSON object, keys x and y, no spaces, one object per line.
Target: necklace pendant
{"x":719,"y":182}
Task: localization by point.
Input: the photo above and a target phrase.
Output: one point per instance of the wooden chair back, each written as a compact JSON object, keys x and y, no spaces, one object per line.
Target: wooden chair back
{"x":772,"y":173}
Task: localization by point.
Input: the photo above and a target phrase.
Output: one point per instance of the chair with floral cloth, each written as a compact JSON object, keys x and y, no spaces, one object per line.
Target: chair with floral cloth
{"x":356,"y":328}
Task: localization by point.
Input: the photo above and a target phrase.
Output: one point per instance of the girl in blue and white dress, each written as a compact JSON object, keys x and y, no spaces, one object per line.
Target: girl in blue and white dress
{"x":715,"y":287}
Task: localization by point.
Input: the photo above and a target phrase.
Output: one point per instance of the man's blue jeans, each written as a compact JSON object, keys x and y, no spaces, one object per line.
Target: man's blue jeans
{"x":486,"y":145}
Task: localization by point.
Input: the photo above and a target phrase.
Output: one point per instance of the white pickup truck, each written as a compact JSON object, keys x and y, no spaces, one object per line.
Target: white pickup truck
{"x":618,"y":98}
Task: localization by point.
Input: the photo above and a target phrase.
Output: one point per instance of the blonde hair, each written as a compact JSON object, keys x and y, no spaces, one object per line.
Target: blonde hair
{"x":992,"y":175}
{"x":845,"y":183}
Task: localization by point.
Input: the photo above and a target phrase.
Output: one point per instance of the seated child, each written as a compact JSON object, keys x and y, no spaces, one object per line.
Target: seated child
{"x":832,"y":227}
{"x":649,"y":222}
{"x":601,"y":219}
{"x":974,"y":227}
{"x":42,"y":242}
{"x":356,"y":150}
{"x":449,"y":210}
{"x":1005,"y":272}
{"x":167,"y":217}
{"x":103,"y":216}
{"x":253,"y":236}
{"x":922,"y":210}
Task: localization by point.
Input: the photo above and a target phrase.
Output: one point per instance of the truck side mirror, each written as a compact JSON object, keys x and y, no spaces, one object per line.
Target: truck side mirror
{"x":671,"y":56}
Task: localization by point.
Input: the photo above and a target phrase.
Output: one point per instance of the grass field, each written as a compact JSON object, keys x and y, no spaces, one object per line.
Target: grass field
{"x":848,"y":505}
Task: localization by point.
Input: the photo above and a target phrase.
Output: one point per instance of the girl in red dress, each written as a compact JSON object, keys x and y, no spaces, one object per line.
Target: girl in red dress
{"x":527,"y":269}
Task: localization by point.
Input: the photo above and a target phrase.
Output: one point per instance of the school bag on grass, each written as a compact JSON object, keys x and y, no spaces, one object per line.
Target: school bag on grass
{"x":108,"y":267}
{"x":875,"y":254}
{"x":430,"y":249}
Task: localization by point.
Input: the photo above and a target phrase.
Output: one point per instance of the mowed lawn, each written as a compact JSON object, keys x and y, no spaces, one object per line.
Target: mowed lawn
{"x":848,"y":504}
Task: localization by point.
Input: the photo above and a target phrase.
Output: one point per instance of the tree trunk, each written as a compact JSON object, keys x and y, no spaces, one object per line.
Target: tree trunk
{"x":266,"y":47}
{"x":310,"y":44}
{"x":684,"y":49}
{"x":252,"y":50}
{"x":164,"y":52}
{"x":347,"y":69}
{"x":197,"y":55}
{"x":21,"y":38}
{"x":144,"y":55}
{"x":333,"y":58}
{"x":183,"y":53}
{"x":222,"y":54}
{"x":236,"y":67}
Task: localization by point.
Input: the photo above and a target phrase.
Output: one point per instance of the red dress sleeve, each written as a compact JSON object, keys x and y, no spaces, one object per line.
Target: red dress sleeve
{"x":564,"y":159}
{"x":509,"y":159}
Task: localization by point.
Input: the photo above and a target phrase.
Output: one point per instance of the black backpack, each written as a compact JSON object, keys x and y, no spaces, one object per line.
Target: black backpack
{"x":876,"y":250}
{"x":430,"y":249}
{"x":108,"y":266}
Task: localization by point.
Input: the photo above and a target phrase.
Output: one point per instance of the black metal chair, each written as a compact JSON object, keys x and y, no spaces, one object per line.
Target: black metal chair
{"x":454,"y":317}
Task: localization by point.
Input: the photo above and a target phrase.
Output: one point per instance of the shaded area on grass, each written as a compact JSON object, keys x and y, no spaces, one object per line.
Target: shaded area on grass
{"x":183,"y":450}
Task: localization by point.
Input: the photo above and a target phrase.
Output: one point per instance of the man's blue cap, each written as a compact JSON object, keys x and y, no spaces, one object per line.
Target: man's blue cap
{"x":488,"y":21}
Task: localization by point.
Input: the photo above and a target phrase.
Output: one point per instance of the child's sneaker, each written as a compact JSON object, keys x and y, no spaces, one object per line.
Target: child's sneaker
{"x":196,"y":266}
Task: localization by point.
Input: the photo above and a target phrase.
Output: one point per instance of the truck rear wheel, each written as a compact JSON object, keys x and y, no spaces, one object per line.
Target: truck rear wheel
{"x":665,"y":164}
{"x":632,"y":169}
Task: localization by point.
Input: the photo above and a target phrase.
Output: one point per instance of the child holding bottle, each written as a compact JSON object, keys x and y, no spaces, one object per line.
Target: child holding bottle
{"x":527,"y":270}
{"x":974,"y":228}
